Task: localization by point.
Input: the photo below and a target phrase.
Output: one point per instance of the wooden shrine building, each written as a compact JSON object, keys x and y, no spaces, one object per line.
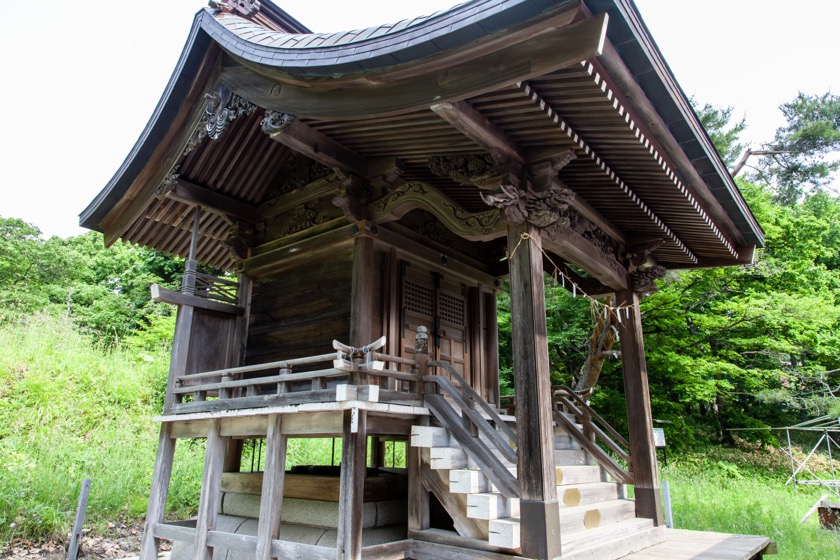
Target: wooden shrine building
{"x":373,"y":188}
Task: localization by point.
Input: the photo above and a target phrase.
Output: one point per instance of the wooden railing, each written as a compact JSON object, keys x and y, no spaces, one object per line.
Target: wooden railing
{"x":477,"y":419}
{"x":593,"y":429}
{"x":210,"y":287}
{"x":278,"y":383}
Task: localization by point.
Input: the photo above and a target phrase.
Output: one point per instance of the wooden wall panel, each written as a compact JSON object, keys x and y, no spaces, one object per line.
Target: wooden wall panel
{"x":299,"y":312}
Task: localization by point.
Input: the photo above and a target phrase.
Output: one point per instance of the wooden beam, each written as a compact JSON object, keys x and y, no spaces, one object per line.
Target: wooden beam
{"x":214,"y":202}
{"x":472,"y":124}
{"x":177,"y":298}
{"x":639,"y":417}
{"x":150,"y":543}
{"x":271,"y":503}
{"x":315,"y":145}
{"x":574,"y":248}
{"x":208,"y":502}
{"x":353,"y":470}
{"x":539,"y":513}
{"x":590,"y":286}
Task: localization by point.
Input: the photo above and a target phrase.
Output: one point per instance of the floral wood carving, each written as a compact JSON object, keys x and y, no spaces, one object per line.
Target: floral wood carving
{"x":542,"y":209}
{"x":244,"y":8}
{"x":275,"y":121}
{"x":303,"y":217}
{"x":413,"y":195}
{"x":168,"y":183}
{"x":643,"y":279}
{"x":462,"y":169}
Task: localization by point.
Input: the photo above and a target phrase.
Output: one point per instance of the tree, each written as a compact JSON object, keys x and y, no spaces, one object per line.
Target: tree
{"x":810,"y":137}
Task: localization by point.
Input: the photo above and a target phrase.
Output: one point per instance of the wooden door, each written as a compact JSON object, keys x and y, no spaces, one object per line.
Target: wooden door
{"x":432,"y":300}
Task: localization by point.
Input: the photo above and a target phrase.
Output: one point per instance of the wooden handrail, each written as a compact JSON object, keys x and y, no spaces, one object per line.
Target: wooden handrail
{"x":260,"y":367}
{"x":589,"y":410}
{"x":468,"y":390}
{"x":593,"y":425}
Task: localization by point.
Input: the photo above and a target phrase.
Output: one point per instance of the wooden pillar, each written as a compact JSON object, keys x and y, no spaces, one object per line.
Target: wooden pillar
{"x":180,"y":352}
{"x":160,"y":491}
{"x":361,"y":304}
{"x":352,"y":485}
{"x":208,"y":502}
{"x":539,"y":512}
{"x":271,"y":502}
{"x":639,"y":418}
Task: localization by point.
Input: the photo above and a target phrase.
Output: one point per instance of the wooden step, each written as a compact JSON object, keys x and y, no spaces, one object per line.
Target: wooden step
{"x":429,"y":436}
{"x":505,"y":532}
{"x":577,"y":474}
{"x":468,"y":481}
{"x":448,"y":458}
{"x":574,"y":495}
{"x":491,"y":505}
{"x":598,"y":514}
{"x":613,"y":541}
{"x":571,"y":457}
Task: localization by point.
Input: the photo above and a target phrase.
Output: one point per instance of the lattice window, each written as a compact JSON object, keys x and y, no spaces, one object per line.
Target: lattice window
{"x":452,"y":309}
{"x":419,"y":299}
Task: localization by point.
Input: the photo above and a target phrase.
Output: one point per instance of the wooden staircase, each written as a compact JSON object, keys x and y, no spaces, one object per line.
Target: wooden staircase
{"x":596,"y":520}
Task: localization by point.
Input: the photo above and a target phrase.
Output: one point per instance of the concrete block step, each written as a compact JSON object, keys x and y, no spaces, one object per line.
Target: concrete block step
{"x":429,"y":436}
{"x":573,"y":495}
{"x":612,"y":542}
{"x":447,"y":458}
{"x":595,"y":515}
{"x":491,"y":505}
{"x":564,"y":441}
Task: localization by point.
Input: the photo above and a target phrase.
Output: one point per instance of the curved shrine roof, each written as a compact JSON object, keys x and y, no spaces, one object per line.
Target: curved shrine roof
{"x":530,"y":77}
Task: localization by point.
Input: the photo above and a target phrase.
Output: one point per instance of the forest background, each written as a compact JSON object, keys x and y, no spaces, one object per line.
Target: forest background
{"x":83,"y":349}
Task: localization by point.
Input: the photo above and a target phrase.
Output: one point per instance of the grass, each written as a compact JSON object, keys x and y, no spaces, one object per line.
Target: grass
{"x":70,"y":410}
{"x":743,"y":491}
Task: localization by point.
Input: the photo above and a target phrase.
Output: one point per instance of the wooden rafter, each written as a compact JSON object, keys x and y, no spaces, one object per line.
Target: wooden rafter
{"x":549,"y":111}
{"x":316,"y":145}
{"x":214,"y":202}
{"x":655,"y":153}
{"x":476,"y":127}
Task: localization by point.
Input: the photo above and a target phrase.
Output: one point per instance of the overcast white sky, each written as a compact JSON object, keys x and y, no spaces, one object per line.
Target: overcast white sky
{"x":80,"y":79}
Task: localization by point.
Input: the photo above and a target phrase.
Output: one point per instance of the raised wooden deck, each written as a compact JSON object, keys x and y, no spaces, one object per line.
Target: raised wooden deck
{"x":700,"y":545}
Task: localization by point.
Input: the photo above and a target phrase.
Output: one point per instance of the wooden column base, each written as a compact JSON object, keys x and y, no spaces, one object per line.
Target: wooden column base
{"x":540,"y":529}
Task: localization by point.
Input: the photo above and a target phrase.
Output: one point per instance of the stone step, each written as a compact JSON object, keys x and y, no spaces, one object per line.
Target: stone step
{"x":429,"y":436}
{"x":564,"y":441}
{"x":613,"y":541}
{"x":574,"y":495}
{"x":504,"y":532}
{"x":491,"y":505}
{"x":598,"y":514}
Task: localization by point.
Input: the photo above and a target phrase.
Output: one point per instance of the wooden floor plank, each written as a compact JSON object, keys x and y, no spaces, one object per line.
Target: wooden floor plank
{"x":702,"y":545}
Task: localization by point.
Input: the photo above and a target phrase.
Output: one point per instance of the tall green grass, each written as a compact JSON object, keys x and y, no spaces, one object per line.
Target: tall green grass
{"x":71,"y":410}
{"x":744,"y":492}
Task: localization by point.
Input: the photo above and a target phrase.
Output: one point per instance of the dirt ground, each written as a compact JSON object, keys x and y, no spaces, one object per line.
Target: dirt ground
{"x":118,"y":541}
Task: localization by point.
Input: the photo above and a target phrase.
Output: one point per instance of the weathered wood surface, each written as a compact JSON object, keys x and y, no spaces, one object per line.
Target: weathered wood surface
{"x":208,"y":502}
{"x":639,"y":417}
{"x":161,"y":477}
{"x":435,"y":544}
{"x":389,"y":551}
{"x":76,"y":534}
{"x":436,"y":481}
{"x":702,"y":545}
{"x":164,"y":295}
{"x":316,"y":487}
{"x":271,"y":504}
{"x":351,"y":501}
{"x":535,"y":468}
